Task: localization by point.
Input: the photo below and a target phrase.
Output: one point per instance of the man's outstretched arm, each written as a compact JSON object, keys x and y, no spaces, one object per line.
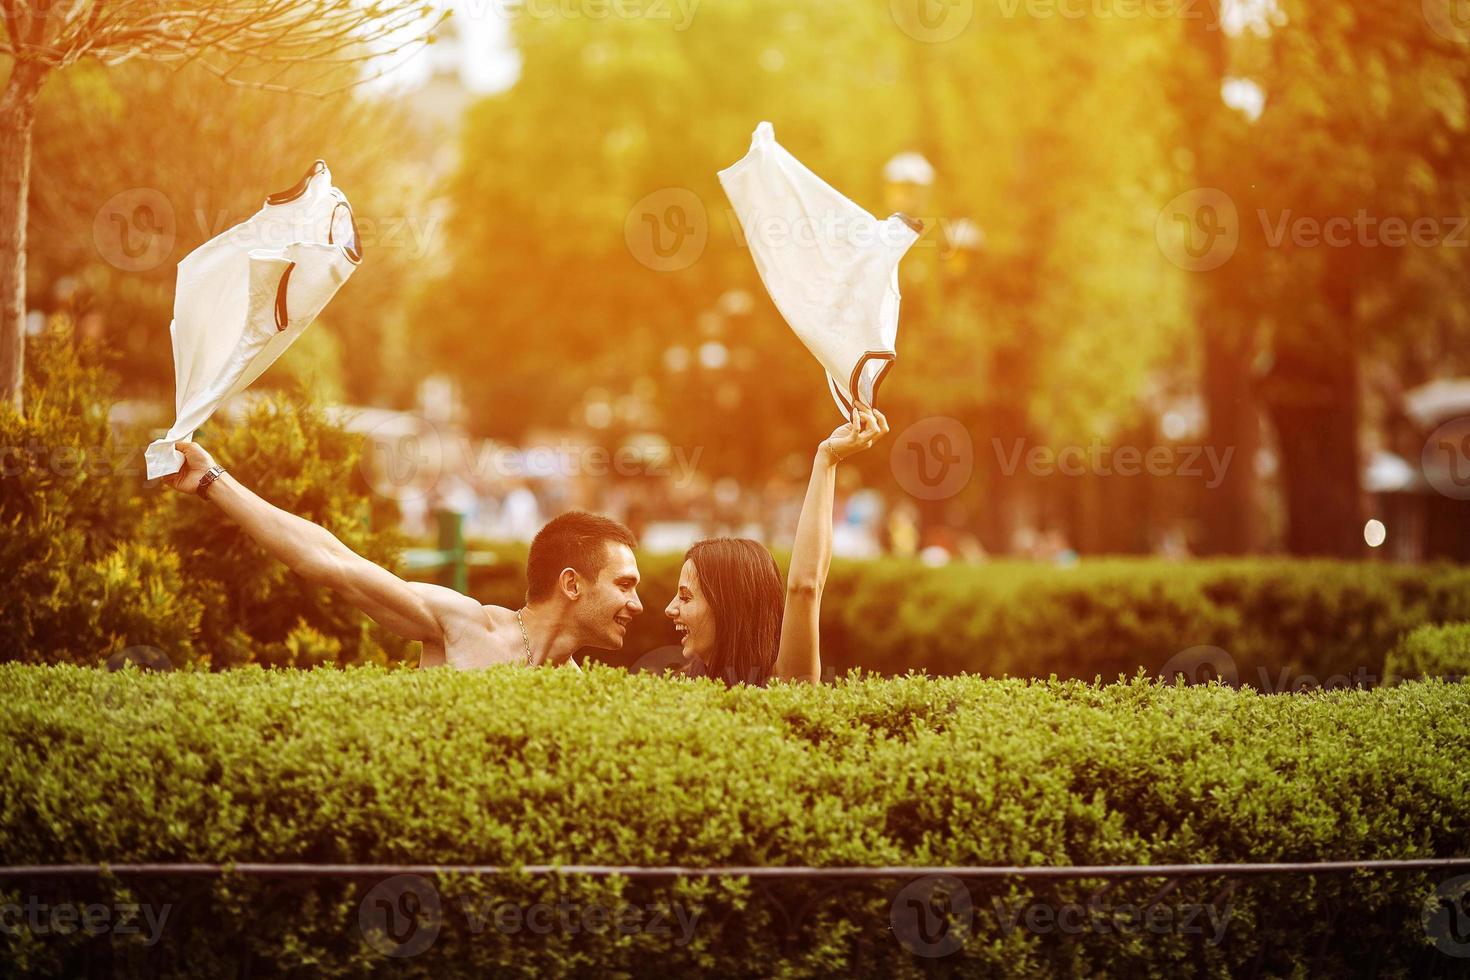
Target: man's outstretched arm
{"x":413,"y":610}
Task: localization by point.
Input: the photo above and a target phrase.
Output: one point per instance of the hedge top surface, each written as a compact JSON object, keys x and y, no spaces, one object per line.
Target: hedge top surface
{"x":509,"y":766}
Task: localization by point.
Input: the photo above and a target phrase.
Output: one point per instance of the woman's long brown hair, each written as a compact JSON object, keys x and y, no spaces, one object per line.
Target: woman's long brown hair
{"x":743,"y":587}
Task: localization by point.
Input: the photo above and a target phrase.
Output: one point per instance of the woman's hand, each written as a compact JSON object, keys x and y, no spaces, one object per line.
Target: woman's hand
{"x":196,"y":463}
{"x":867,"y":427}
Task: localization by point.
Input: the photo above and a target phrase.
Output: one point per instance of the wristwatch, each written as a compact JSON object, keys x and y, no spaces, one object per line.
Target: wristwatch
{"x":215,"y":472}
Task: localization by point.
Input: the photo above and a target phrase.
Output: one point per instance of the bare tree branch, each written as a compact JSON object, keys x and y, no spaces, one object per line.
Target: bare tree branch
{"x":334,"y":34}
{"x":12,"y":24}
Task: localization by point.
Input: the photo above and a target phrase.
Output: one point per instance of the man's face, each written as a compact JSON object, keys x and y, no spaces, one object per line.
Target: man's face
{"x":611,"y":602}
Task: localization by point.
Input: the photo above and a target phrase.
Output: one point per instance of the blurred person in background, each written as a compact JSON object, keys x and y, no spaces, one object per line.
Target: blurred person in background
{"x":520,"y":512}
{"x":903,"y":530}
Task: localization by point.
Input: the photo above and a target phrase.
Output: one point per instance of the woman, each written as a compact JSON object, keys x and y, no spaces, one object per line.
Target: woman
{"x":734,"y":619}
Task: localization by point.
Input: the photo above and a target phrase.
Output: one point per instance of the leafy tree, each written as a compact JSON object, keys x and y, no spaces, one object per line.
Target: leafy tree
{"x":1053,"y":329}
{"x":225,"y":147}
{"x":1364,"y":110}
{"x":315,"y":45}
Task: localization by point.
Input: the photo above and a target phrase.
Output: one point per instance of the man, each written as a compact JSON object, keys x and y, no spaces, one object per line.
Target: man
{"x":581,"y":574}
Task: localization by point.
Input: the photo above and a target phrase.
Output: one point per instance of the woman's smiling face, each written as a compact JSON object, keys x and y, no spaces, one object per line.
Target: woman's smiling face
{"x":693,"y":618}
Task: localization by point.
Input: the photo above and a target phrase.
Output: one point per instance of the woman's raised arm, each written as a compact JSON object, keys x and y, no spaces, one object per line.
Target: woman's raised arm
{"x":799,"y":655}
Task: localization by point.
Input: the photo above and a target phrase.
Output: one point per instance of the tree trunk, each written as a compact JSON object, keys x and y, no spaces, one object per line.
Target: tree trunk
{"x":17,"y":117}
{"x":1227,"y":509}
{"x":1225,"y":513}
{"x":1315,"y":410}
{"x":1313,"y":399}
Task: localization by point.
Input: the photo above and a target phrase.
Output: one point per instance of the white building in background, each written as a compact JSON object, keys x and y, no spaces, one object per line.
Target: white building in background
{"x":444,"y":93}
{"x":1418,"y":482}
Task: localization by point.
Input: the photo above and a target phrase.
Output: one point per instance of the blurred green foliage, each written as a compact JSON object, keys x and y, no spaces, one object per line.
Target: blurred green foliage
{"x":1282,"y":622}
{"x":1065,"y":311}
{"x":1064,"y":132}
{"x":1432,"y":650}
{"x":100,"y":562}
{"x":203,"y":155}
{"x":500,"y":249}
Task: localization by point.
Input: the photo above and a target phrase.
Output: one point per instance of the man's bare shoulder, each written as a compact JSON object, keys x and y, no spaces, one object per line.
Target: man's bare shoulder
{"x":473,"y":618}
{"x":490,"y":636}
{"x":500,"y":618}
{"x":493,"y":638}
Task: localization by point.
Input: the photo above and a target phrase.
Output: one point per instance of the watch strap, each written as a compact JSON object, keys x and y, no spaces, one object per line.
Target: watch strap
{"x":214,"y":473}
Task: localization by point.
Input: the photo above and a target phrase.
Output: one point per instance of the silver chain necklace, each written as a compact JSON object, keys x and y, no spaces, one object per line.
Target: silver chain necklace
{"x":525,"y":637}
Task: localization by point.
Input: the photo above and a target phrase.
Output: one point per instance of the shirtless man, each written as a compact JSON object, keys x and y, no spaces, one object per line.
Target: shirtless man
{"x":581,"y":574}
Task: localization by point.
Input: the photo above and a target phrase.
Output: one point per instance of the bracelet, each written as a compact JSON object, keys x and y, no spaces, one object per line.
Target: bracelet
{"x":215,"y":472}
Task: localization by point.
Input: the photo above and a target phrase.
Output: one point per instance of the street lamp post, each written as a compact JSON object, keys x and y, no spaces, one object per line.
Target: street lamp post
{"x":908,"y":179}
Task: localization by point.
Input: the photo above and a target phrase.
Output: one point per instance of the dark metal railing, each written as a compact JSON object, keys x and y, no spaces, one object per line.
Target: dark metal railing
{"x":741,"y":871}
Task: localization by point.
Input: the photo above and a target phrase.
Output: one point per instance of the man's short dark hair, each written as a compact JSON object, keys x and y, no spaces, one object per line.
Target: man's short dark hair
{"x":575,"y":540}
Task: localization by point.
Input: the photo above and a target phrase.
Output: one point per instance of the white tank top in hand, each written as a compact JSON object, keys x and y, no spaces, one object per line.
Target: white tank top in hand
{"x":831,"y":267}
{"x":245,"y":295}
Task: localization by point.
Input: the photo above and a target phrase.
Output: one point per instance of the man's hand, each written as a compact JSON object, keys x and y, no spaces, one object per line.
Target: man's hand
{"x":413,"y":610}
{"x":196,"y":463}
{"x":867,"y":427}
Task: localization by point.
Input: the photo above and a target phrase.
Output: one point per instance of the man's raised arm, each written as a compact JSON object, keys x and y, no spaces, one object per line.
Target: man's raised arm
{"x":413,"y":610}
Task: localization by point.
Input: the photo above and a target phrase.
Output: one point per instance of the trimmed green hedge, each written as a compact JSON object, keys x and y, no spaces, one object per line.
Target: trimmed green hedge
{"x":1284,"y":623}
{"x":1432,"y":651}
{"x":509,"y":766}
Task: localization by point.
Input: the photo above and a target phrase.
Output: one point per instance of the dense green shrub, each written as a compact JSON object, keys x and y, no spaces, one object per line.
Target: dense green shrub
{"x":1432,"y":651}
{"x":1284,"y":623}
{"x":511,"y":767}
{"x":98,"y":561}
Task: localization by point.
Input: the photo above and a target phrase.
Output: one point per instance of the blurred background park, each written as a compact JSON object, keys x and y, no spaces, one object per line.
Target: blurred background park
{"x":1192,"y":281}
{"x":516,"y":177}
